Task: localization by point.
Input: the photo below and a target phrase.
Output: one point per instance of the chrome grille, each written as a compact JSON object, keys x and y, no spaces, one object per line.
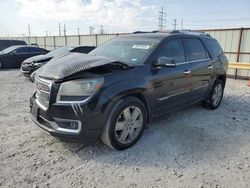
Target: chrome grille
{"x":43,"y":92}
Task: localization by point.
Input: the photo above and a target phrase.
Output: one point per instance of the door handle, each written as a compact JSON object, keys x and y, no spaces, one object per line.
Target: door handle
{"x":186,"y":72}
{"x":210,"y":67}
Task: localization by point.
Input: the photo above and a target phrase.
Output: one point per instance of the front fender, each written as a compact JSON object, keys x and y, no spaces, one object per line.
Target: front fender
{"x":129,"y":87}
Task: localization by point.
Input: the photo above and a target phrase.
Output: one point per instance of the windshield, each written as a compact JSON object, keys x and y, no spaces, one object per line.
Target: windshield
{"x":59,"y":51}
{"x":8,"y":50}
{"x":129,"y":51}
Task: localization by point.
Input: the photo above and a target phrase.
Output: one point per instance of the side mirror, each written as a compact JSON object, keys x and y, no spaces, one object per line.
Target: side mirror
{"x":165,"y":62}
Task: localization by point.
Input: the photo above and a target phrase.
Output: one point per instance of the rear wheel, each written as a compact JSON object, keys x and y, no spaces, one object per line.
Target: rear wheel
{"x":125,"y":124}
{"x":215,"y":97}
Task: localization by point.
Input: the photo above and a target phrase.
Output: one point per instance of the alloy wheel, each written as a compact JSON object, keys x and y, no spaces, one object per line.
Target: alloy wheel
{"x":128,"y":125}
{"x":217,"y":95}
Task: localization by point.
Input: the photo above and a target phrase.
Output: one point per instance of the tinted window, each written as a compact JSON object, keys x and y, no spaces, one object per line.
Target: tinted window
{"x":213,"y":47}
{"x":59,"y":51}
{"x":22,"y":50}
{"x":173,"y":49}
{"x":195,"y":49}
{"x":36,"y":50}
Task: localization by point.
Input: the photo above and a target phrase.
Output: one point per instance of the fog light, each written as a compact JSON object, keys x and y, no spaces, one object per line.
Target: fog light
{"x":73,"y":125}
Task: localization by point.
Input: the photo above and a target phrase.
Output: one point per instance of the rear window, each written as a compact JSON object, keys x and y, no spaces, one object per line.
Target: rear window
{"x":22,"y":50}
{"x":37,"y":50}
{"x":195,"y":49}
{"x":213,"y":47}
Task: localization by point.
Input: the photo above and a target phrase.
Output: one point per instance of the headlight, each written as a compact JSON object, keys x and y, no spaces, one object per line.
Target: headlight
{"x":78,"y":90}
{"x":38,"y":64}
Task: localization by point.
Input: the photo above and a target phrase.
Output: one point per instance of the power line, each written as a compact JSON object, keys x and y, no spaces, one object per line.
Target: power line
{"x":162,"y":19}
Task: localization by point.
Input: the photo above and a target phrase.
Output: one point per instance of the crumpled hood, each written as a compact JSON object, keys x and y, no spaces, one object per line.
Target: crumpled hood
{"x":71,"y":63}
{"x":38,"y":58}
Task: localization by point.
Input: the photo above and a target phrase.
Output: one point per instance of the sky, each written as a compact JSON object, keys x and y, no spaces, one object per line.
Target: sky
{"x":117,"y":16}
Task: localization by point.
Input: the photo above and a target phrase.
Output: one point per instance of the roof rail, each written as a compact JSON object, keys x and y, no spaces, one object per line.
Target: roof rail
{"x":186,"y":31}
{"x":139,"y":32}
{"x":193,"y":32}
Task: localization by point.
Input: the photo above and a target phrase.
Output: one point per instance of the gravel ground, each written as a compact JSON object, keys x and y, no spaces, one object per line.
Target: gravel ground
{"x":193,"y":147}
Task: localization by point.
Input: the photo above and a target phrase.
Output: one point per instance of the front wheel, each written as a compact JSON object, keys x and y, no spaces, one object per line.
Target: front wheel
{"x":215,"y":97}
{"x":125,"y":125}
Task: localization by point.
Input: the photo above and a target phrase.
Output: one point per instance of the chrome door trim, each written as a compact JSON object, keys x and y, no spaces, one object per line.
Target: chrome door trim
{"x":167,"y":97}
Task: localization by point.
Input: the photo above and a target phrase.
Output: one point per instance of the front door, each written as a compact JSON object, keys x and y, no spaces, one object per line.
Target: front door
{"x":171,"y":84}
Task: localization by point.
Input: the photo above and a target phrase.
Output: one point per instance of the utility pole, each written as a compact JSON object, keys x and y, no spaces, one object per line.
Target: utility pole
{"x":60,"y":29}
{"x":46,"y":33}
{"x":175,"y":24}
{"x":78,"y":31}
{"x":181,"y":23}
{"x":29,"y":30}
{"x":91,"y":30}
{"x":64,"y":29}
{"x":101,"y":30}
{"x":162,"y":19}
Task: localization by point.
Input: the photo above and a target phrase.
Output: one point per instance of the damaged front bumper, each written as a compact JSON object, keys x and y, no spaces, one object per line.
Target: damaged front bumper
{"x":71,"y":122}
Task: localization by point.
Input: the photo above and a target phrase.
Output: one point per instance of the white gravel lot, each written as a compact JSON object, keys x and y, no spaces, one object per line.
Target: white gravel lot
{"x":193,"y":147}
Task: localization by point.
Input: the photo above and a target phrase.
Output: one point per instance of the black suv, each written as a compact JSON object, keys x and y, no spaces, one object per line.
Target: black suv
{"x":112,"y":92}
{"x":7,"y":43}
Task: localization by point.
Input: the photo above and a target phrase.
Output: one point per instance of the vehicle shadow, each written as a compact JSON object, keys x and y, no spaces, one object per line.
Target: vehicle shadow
{"x":175,"y":140}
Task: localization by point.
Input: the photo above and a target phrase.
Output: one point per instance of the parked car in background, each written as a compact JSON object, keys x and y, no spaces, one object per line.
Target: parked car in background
{"x":13,"y":56}
{"x":7,"y":43}
{"x":33,"y":63}
{"x":112,"y":92}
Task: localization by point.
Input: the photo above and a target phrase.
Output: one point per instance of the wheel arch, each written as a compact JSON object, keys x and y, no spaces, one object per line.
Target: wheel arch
{"x":223,"y":78}
{"x":139,"y":95}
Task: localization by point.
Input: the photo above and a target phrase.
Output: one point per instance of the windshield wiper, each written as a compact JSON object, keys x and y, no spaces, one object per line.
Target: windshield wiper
{"x":123,"y":64}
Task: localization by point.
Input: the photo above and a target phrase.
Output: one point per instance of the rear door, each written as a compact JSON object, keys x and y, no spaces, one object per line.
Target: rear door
{"x":201,"y":68}
{"x":36,"y":51}
{"x":171,"y":83}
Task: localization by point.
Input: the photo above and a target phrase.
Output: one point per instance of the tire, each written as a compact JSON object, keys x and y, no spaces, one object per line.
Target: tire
{"x":125,"y":124}
{"x":215,"y":96}
{"x":1,"y":65}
